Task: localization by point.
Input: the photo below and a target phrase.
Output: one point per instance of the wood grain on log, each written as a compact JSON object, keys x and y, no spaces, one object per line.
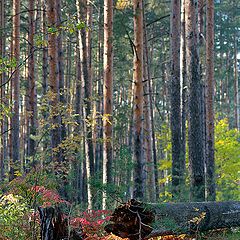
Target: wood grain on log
{"x":137,"y":220}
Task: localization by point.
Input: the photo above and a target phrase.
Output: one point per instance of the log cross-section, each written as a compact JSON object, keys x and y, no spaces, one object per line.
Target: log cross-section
{"x":136,"y":220}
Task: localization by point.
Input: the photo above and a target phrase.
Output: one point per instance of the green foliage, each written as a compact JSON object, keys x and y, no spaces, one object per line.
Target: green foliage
{"x":12,"y":222}
{"x":165,"y":165}
{"x":7,"y":63}
{"x":227,"y":155}
{"x":5,"y":111}
{"x":40,"y":41}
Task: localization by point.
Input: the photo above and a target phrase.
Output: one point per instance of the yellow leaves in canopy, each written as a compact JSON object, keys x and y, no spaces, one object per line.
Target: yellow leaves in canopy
{"x":122,"y":4}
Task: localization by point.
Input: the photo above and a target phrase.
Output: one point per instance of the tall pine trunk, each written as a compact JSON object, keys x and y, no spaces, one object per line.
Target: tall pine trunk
{"x":16,"y":91}
{"x":195,"y":138}
{"x":60,"y":63}
{"x":3,"y":123}
{"x":32,"y":94}
{"x":54,"y":82}
{"x":149,"y":135}
{"x":184,"y":88}
{"x":210,"y":168}
{"x":138,"y":100}
{"x":107,"y":95}
{"x":177,"y":163}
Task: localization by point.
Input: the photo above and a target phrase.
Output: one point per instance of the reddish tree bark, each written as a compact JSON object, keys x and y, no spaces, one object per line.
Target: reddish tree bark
{"x":54,"y":81}
{"x":107,"y":95}
{"x":210,"y":165}
{"x":138,"y":99}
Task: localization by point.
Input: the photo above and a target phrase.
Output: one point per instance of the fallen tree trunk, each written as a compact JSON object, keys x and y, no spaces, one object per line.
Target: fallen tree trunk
{"x":136,"y":220}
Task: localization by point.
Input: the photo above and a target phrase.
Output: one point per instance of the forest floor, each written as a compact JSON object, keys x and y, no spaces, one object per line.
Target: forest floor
{"x":214,"y":235}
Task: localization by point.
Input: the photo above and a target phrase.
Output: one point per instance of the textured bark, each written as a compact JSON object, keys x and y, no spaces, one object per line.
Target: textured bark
{"x":135,"y":220}
{"x":154,"y":149}
{"x":201,"y":20}
{"x":55,"y":227}
{"x":44,"y":52}
{"x":184,"y":86}
{"x":81,"y":10}
{"x":210,"y":166}
{"x":44,"y":73}
{"x":54,"y":81}
{"x":16,"y":91}
{"x":60,"y":63}
{"x":99,"y":146}
{"x":177,"y":162}
{"x":138,"y":99}
{"x":195,"y":139}
{"x":3,"y":124}
{"x":78,"y":106}
{"x":148,"y":124}
{"x":31,"y":81}
{"x":107,"y":95}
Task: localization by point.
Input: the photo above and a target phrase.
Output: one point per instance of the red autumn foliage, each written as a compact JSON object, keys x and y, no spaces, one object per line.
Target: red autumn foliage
{"x":92,"y":222}
{"x":49,"y":196}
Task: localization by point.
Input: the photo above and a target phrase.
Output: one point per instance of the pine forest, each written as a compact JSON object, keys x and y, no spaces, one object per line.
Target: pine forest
{"x":119,"y":119}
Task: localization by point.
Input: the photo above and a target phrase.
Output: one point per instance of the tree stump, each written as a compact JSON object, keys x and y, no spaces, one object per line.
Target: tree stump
{"x":55,"y":227}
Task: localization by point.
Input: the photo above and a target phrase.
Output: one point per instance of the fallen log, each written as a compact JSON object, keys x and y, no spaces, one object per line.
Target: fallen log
{"x":136,"y":220}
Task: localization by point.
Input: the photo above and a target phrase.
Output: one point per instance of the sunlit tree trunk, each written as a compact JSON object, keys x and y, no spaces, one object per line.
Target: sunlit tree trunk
{"x":107,"y":95}
{"x":184,"y":85}
{"x":89,"y":157}
{"x":54,"y":81}
{"x":16,"y":91}
{"x":78,"y":103}
{"x":138,"y":99}
{"x":195,"y":138}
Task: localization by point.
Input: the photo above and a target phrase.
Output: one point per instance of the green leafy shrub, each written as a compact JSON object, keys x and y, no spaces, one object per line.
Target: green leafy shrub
{"x":227,"y":154}
{"x":13,"y":223}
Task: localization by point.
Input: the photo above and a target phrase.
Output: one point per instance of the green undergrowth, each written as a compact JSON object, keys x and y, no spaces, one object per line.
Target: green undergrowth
{"x":233,"y":234}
